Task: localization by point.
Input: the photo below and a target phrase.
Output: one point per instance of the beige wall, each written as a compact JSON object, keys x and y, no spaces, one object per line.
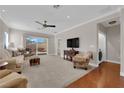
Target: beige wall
{"x":1,"y":33}
{"x":3,"y":28}
{"x":51,"y":45}
{"x":109,"y":42}
{"x":88,"y":34}
{"x":113,"y":43}
{"x":18,"y":37}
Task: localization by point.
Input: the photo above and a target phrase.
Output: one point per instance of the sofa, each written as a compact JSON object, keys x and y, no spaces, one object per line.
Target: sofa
{"x":5,"y":72}
{"x":9,"y":79}
{"x":14,"y":63}
{"x":82,"y":60}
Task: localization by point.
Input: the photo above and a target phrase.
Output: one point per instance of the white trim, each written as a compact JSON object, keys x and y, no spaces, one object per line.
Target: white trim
{"x":121,"y":74}
{"x":121,"y":43}
{"x":86,"y":22}
{"x":51,"y":54}
{"x":112,"y":61}
{"x":4,"y":21}
{"x":47,"y":45}
{"x":57,"y":46}
{"x":68,"y":29}
{"x":93,"y":64}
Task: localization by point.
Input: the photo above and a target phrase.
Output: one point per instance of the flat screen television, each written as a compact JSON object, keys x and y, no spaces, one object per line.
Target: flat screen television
{"x":73,"y":43}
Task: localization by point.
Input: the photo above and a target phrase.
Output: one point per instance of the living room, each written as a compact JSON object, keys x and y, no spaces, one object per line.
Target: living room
{"x":37,"y":43}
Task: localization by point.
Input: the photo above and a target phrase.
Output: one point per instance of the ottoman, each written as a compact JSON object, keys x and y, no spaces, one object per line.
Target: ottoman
{"x":34,"y":61}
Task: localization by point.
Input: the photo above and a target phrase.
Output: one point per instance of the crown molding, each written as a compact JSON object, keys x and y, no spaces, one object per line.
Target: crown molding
{"x":5,"y":22}
{"x":94,"y":19}
{"x":75,"y":26}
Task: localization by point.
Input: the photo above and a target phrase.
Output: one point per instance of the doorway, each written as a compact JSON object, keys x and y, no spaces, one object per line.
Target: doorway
{"x":109,"y":41}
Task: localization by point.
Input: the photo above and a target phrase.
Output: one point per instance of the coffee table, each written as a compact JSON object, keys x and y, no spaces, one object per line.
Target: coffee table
{"x":34,"y":61}
{"x":3,"y":65}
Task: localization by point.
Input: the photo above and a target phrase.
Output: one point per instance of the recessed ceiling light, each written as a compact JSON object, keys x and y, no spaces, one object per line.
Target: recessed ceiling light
{"x":68,"y":16}
{"x":32,"y":17}
{"x":3,"y":10}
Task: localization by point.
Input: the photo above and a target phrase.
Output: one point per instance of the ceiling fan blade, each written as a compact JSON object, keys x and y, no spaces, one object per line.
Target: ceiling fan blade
{"x":39,"y":22}
{"x":50,"y":26}
{"x":44,"y":25}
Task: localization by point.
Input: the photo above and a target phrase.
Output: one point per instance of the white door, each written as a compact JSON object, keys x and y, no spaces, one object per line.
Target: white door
{"x":59,"y":47}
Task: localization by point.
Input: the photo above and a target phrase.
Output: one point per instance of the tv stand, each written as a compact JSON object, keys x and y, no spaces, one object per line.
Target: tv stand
{"x":69,"y":54}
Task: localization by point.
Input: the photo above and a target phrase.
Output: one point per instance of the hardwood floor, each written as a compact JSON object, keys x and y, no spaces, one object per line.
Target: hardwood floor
{"x":107,"y":75}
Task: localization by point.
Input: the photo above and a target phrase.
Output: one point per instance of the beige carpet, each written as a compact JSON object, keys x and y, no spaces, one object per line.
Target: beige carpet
{"x":53,"y":72}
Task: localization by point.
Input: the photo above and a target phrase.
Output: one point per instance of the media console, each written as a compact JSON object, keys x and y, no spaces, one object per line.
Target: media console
{"x":69,"y":54}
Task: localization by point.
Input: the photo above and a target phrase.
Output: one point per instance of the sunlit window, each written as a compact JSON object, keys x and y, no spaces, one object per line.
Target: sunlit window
{"x":5,"y":40}
{"x":37,"y":45}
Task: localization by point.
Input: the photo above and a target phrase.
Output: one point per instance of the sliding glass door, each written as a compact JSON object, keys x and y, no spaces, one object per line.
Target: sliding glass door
{"x":37,"y":45}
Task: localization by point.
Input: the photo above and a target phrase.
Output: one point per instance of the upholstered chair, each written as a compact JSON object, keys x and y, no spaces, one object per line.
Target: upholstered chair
{"x":82,"y":60}
{"x":13,"y":65}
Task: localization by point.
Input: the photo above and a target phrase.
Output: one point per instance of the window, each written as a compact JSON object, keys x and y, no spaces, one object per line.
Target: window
{"x":5,"y":40}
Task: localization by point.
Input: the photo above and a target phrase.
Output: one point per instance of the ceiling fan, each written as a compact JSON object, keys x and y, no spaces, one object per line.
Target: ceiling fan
{"x":44,"y":24}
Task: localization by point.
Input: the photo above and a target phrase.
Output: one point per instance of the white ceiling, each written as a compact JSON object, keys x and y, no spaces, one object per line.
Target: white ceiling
{"x":23,"y":17}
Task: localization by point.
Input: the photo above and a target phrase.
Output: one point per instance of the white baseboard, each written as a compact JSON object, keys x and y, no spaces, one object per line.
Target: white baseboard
{"x":51,"y":54}
{"x":111,"y":61}
{"x":93,"y":64}
{"x":121,"y":74}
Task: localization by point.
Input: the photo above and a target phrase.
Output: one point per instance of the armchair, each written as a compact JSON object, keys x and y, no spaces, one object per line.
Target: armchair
{"x":13,"y":65}
{"x":82,"y":60}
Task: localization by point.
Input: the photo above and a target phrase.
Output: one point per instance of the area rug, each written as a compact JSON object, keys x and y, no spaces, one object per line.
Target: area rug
{"x":53,"y":72}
